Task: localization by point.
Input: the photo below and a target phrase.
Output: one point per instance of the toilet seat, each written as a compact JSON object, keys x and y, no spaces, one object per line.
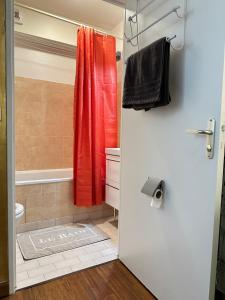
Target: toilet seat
{"x":19,"y":210}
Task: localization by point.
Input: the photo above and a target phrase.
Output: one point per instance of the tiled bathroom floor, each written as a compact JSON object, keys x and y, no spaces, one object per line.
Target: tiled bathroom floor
{"x":41,"y":269}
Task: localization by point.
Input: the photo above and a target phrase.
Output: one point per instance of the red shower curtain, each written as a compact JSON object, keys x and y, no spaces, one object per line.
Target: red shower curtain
{"x":95,"y":114}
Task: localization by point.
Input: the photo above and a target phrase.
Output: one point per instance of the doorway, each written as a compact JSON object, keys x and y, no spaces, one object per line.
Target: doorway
{"x":44,"y":91}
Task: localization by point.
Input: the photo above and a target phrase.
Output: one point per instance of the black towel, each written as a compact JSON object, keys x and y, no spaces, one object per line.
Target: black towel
{"x":146,"y":83}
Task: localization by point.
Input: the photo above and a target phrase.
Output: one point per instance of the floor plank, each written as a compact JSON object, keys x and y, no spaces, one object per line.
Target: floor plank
{"x":111,"y":281}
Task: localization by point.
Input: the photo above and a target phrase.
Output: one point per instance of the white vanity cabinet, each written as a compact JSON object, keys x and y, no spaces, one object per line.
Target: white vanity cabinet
{"x":112,"y":188}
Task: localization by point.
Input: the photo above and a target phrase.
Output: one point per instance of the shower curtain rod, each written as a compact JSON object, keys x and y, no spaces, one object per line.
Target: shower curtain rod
{"x":63,"y":19}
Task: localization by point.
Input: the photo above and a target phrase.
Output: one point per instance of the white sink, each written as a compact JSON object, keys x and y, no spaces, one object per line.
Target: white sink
{"x":112,"y":151}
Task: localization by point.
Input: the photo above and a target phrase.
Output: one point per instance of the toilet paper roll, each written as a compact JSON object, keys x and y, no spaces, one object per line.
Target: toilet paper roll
{"x":157,"y":199}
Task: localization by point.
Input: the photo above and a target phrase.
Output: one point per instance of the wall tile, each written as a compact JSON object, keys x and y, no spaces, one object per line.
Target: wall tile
{"x":49,"y":188}
{"x":52,"y":204}
{"x":33,"y":195}
{"x":44,"y":124}
{"x":30,"y":226}
{"x":51,"y":155}
{"x":64,"y":220}
{"x":67,"y":151}
{"x":45,"y":109}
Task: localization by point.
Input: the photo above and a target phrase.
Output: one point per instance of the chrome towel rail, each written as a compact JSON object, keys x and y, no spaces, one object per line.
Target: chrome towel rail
{"x":140,"y":10}
{"x":174,"y":10}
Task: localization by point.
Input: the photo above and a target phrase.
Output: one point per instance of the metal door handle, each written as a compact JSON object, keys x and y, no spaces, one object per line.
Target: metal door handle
{"x":209,"y":133}
{"x":199,"y":131}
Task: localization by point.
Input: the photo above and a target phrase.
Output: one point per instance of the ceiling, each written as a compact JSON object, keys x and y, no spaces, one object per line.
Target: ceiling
{"x":97,"y":13}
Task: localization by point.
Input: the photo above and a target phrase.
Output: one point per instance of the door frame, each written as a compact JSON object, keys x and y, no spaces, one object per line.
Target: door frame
{"x":10,"y":143}
{"x":218,"y":197}
{"x":4,"y":276}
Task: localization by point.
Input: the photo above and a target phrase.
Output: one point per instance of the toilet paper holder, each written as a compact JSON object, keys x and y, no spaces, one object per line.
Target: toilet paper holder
{"x":154,"y":188}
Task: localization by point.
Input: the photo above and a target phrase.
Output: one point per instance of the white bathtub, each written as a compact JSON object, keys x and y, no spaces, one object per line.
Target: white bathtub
{"x":43,"y":176}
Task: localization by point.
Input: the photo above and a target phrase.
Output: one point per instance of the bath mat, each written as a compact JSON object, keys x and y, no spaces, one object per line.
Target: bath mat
{"x":44,"y":242}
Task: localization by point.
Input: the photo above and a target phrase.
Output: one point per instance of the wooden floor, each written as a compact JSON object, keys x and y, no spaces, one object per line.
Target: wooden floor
{"x":111,"y":281}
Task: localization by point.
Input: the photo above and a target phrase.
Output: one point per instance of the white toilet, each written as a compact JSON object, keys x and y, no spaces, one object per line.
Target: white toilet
{"x":19,"y":211}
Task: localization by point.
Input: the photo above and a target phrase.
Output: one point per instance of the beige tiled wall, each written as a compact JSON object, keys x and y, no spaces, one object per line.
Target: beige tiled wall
{"x":52,"y":203}
{"x":44,"y":124}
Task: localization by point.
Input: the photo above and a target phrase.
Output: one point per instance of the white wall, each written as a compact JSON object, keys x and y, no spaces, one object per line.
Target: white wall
{"x":118,"y":31}
{"x":44,"y":66}
{"x":170,"y":249}
{"x":51,"y":28}
{"x":46,"y":27}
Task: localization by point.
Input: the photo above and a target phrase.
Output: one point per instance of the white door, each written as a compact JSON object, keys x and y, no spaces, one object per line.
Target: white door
{"x":172,"y":250}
